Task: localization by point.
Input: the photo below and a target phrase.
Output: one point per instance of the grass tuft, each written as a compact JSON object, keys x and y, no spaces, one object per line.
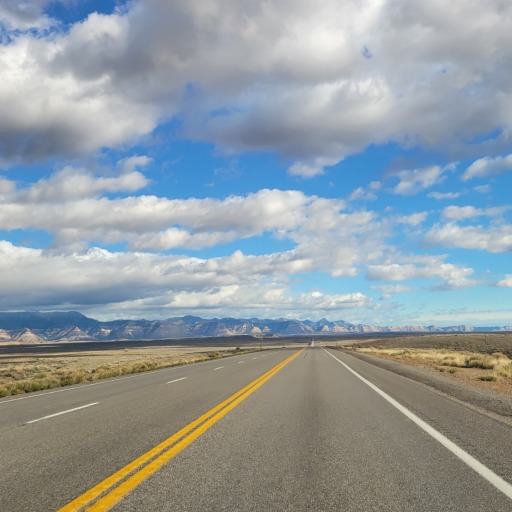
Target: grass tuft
{"x":488,"y":377}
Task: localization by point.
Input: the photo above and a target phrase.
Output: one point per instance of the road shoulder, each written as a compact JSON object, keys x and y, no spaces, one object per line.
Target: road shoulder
{"x":489,"y":401}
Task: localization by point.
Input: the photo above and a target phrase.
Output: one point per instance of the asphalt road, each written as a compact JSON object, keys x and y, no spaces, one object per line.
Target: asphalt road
{"x":311,"y":435}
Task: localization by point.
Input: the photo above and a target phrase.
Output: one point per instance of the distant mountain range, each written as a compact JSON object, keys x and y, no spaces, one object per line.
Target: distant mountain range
{"x":73,"y":326}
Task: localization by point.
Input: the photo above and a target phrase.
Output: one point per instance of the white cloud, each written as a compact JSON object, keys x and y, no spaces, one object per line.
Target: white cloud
{"x":416,"y":180}
{"x":254,"y":299}
{"x":361,"y":193}
{"x":444,"y":195}
{"x":324,"y":236}
{"x":461,"y":212}
{"x":149,"y":222}
{"x":495,"y":239}
{"x":506,"y":282}
{"x":333,"y":302}
{"x":470,"y":212}
{"x":309,"y":170}
{"x":133,"y":163}
{"x":488,"y":166}
{"x":483,"y":189}
{"x":167,"y":284}
{"x":24,"y":14}
{"x":70,"y":183}
{"x":415,"y":219}
{"x":392,"y":288}
{"x":366,"y":193}
{"x":453,"y":276}
{"x":285,"y":77}
{"x":68,"y":114}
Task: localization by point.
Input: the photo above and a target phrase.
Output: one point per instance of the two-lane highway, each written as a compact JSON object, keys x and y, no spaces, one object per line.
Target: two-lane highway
{"x":48,"y":463}
{"x":282,"y":430}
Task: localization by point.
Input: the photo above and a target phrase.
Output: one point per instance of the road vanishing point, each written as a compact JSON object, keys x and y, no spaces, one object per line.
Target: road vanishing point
{"x":296,"y":429}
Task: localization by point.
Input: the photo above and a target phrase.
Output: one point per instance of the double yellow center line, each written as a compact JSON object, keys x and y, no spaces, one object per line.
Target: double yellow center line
{"x":110,"y":491}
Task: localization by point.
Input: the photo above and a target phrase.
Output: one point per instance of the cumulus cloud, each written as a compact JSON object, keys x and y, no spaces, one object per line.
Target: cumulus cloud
{"x":324,"y":238}
{"x":150,"y":222}
{"x":470,"y":212}
{"x":506,"y":282}
{"x":488,"y":166}
{"x":67,"y":115}
{"x":135,"y":281}
{"x":453,"y":276}
{"x":495,"y":239}
{"x":413,"y":181}
{"x":366,"y":193}
{"x":70,"y":183}
{"x":312,"y":83}
{"x":266,"y":298}
{"x":24,"y":14}
{"x":323,"y":234}
{"x":415,"y":219}
{"x":310,"y":169}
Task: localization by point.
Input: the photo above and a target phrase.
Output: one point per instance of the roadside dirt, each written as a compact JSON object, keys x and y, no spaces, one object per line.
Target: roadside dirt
{"x":485,"y":343}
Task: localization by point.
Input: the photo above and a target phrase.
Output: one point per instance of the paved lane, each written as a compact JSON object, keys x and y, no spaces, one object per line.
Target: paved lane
{"x":311,"y":437}
{"x":46,"y":464}
{"x":315,"y":438}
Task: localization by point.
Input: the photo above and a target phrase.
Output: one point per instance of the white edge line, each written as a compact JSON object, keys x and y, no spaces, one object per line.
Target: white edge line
{"x":473,"y":463}
{"x":63,"y":412}
{"x":176,"y":380}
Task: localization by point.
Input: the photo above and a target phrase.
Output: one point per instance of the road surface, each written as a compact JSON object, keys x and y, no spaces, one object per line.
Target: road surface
{"x":283,"y":430}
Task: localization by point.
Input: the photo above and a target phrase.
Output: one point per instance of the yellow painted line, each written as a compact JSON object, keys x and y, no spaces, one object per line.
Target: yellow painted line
{"x":164,"y":451}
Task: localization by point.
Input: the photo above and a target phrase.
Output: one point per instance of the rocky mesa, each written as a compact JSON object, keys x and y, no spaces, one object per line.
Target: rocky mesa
{"x":34,"y":327}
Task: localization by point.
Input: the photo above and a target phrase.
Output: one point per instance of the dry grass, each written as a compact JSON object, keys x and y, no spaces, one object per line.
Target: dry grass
{"x":481,"y":343}
{"x":24,"y":375}
{"x":497,"y":367}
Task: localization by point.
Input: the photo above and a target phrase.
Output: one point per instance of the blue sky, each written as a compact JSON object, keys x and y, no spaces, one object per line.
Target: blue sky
{"x":281,"y":159}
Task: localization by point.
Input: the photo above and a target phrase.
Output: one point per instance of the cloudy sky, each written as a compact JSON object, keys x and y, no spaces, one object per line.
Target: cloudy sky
{"x":287,"y":158}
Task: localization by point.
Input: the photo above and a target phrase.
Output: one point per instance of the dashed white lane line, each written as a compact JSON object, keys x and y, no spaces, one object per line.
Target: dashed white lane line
{"x":62,"y":412}
{"x":240,"y":362}
{"x":176,"y":380}
{"x":219,"y":368}
{"x":473,"y":463}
